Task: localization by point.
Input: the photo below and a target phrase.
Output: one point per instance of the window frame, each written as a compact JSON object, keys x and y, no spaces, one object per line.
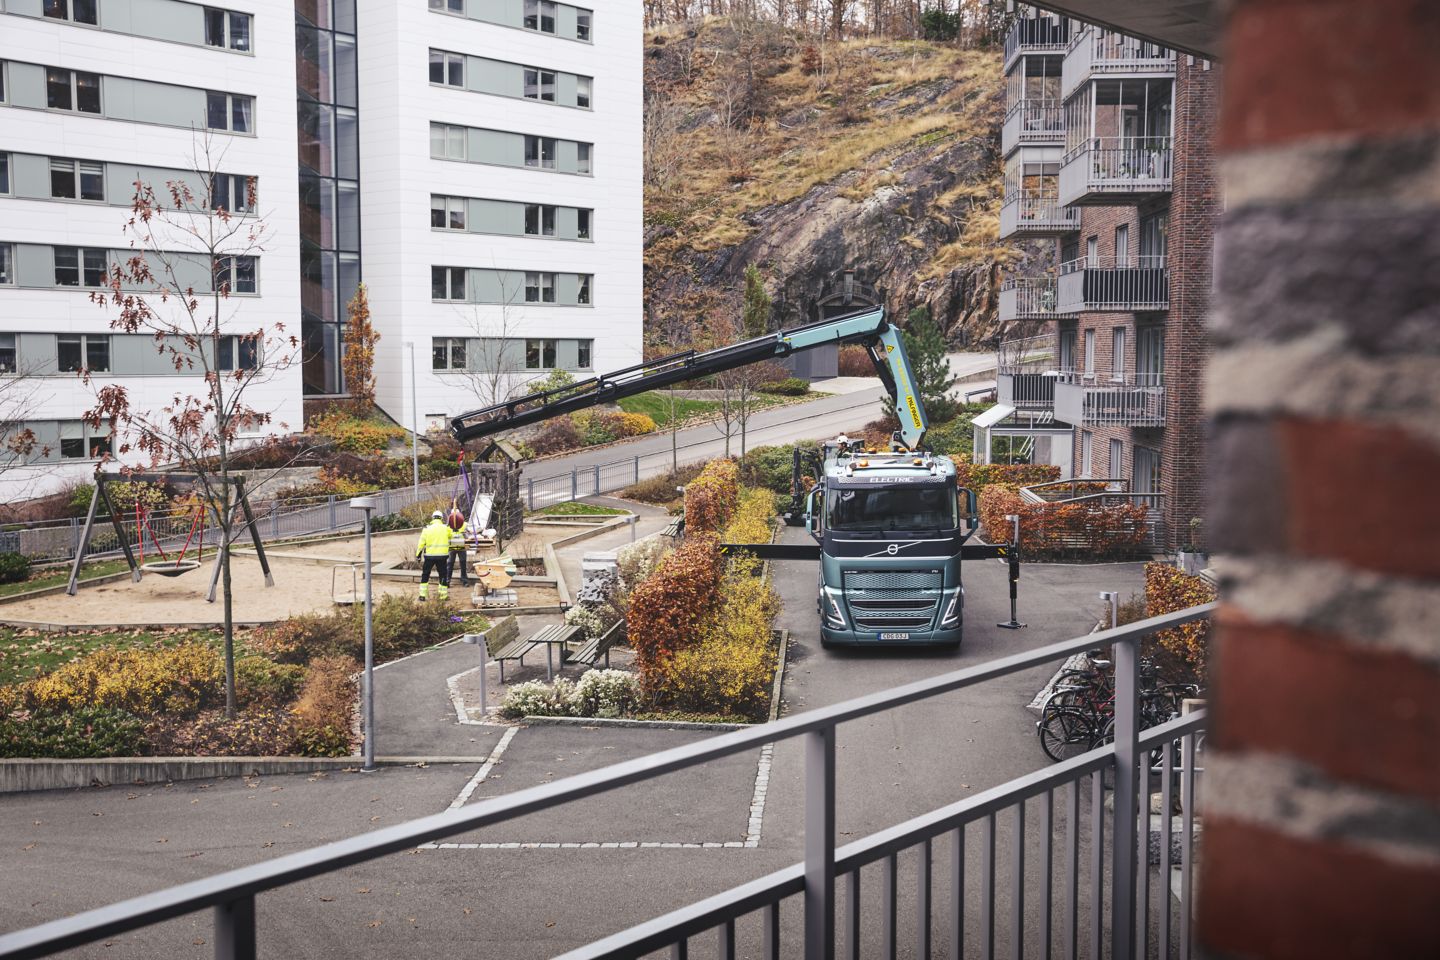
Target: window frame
{"x":585,"y":20}
{"x":588,"y":83}
{"x":7,"y":264}
{"x":585,"y":354}
{"x":227,"y":267}
{"x":72,"y":91}
{"x":228,"y":19}
{"x":543,"y":284}
{"x":85,"y":346}
{"x":543,"y":160}
{"x":448,"y":7}
{"x":454,"y":348}
{"x":584,"y":158}
{"x":83,"y":266}
{"x":447,"y":132}
{"x":233,"y":182}
{"x":78,"y":174}
{"x":449,"y":206}
{"x":448,"y":276}
{"x":541,"y":347}
{"x":1117,"y":468}
{"x":231,"y":101}
{"x":13,"y":349}
{"x":584,"y":224}
{"x":582,"y":293}
{"x":448,"y":63}
{"x":69,"y":15}
{"x":1118,"y":348}
{"x":5,"y":178}
{"x":230,"y":354}
{"x":93,"y":443}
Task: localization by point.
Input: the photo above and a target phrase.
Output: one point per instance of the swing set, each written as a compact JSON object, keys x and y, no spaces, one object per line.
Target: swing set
{"x":165,"y":566}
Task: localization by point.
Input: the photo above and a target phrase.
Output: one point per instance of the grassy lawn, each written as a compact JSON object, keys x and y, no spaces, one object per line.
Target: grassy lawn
{"x":58,"y":576}
{"x":25,"y":654}
{"x":575,"y":508}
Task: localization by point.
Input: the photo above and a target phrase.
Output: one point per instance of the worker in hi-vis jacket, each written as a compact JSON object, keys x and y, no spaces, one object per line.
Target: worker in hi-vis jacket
{"x":433,"y":552}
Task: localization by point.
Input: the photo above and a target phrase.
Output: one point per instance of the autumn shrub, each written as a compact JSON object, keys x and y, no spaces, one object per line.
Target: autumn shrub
{"x":1050,"y":530}
{"x":855,"y":361}
{"x":71,"y":734}
{"x":322,"y":714}
{"x":260,"y":681}
{"x":302,"y":638}
{"x":754,"y":518}
{"x":787,"y":387}
{"x":557,"y":436}
{"x":266,"y":732}
{"x":729,"y":667}
{"x":668,"y":608}
{"x":661,"y":489}
{"x":402,"y":625}
{"x":354,"y":434}
{"x":771,"y":467}
{"x":978,"y":476}
{"x":1186,"y":648}
{"x":711,"y":498}
{"x":146,"y":681}
{"x":877,"y":433}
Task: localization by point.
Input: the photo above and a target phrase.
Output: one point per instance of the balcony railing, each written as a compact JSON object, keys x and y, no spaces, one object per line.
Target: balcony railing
{"x":1033,"y":213}
{"x":1029,"y":298}
{"x":1025,"y":389}
{"x":1097,"y":494}
{"x":1117,"y":401}
{"x":1040,"y":35}
{"x":1094,"y":51}
{"x":1110,"y":284}
{"x":1032,"y":121}
{"x":1109,"y":906}
{"x":1108,"y":169}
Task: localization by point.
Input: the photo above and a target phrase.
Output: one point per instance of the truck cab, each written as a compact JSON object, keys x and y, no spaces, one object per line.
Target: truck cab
{"x":890,"y":526}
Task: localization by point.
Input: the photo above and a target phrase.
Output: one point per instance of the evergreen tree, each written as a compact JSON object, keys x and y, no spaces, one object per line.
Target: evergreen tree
{"x":925,"y":346}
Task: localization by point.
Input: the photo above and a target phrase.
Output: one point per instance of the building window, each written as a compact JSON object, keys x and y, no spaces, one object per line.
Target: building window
{"x":447,"y":69}
{"x":539,"y":287}
{"x":447,"y":141}
{"x":455,"y":7}
{"x":4,"y":173}
{"x":77,"y":180}
{"x":233,"y":193}
{"x":1067,"y":351}
{"x":229,"y":112}
{"x":1092,"y":251}
{"x":77,"y":351}
{"x":1154,"y":239}
{"x":7,"y":263}
{"x":539,"y":354}
{"x":227,"y":29}
{"x":447,"y":213}
{"x":447,"y":283}
{"x":7,"y":353}
{"x":582,"y":92}
{"x":583,"y":294}
{"x":1090,"y":353}
{"x":540,"y":152}
{"x":447,"y":353}
{"x":1117,"y":353}
{"x":582,"y":158}
{"x":1150,"y":356}
{"x":539,"y":220}
{"x":582,"y":224}
{"x":540,"y":15}
{"x":1117,"y":459}
{"x":237,"y":353}
{"x":76,"y":11}
{"x":1122,"y":245}
{"x":1087,"y":452}
{"x":235,"y":275}
{"x":79,"y":442}
{"x":76,"y":267}
{"x":583,"y":351}
{"x":72,"y":90}
{"x":582,"y":25}
{"x":540,"y":84}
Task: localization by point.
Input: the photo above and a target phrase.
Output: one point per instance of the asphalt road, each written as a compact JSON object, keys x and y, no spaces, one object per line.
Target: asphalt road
{"x":65,"y":851}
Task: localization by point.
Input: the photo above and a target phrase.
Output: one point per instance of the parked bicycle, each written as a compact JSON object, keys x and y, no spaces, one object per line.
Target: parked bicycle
{"x":1079,"y":713}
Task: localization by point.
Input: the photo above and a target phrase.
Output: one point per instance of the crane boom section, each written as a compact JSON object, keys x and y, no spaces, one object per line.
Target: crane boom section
{"x":869,"y":328}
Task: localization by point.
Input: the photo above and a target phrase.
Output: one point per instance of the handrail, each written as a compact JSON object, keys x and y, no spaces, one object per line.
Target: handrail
{"x":241,"y":885}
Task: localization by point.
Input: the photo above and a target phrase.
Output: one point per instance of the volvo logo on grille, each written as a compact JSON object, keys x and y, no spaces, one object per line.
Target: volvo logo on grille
{"x":893,"y":549}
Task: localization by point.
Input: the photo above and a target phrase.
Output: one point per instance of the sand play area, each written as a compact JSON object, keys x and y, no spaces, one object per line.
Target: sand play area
{"x":303,"y":575}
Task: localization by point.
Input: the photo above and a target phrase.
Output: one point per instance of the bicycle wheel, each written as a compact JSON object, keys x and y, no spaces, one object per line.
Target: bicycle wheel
{"x":1066,"y":733}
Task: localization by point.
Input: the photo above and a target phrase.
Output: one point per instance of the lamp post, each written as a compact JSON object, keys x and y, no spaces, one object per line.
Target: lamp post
{"x":1013,"y":623}
{"x":367,"y":505}
{"x":414,"y":422}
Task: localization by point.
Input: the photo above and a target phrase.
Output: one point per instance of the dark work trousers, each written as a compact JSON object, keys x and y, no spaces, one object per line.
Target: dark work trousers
{"x":441,"y":566}
{"x":458,"y":559}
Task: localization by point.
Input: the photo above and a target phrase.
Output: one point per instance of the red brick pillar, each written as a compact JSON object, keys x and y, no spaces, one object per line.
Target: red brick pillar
{"x":1322,"y":833}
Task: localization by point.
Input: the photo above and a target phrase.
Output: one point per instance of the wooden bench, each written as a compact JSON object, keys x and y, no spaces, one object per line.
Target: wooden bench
{"x":675,"y":527}
{"x":595,"y":647}
{"x":503,"y":642}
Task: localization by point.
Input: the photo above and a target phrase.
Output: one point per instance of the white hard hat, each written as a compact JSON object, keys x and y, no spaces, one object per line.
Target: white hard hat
{"x":437,"y":515}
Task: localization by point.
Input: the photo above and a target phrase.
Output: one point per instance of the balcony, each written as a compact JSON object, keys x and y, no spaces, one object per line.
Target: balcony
{"x":1029,"y":298}
{"x":1036,"y":213}
{"x":1121,"y":401}
{"x":1102,"y":53}
{"x":1032,"y":121}
{"x":1116,"y":170}
{"x":1110,"y":285}
{"x":1025,"y":371}
{"x":1036,"y":35}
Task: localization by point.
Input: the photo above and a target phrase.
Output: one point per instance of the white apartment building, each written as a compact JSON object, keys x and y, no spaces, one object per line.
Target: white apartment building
{"x":477,"y":163}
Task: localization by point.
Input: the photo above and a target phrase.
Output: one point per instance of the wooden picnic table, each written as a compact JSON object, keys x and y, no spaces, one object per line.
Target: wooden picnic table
{"x":552,"y":636}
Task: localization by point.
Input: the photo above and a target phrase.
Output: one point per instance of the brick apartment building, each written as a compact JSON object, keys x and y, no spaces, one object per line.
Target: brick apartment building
{"x":1108,"y":155}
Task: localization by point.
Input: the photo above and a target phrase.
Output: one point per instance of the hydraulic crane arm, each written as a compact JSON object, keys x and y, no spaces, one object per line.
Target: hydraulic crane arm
{"x":870,"y":329}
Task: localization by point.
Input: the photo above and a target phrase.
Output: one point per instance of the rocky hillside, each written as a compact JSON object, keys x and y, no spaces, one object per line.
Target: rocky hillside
{"x":880,"y":157}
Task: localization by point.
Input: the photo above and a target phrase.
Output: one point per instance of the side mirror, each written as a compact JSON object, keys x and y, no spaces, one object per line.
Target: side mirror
{"x":812,"y":513}
{"x":969,"y":510}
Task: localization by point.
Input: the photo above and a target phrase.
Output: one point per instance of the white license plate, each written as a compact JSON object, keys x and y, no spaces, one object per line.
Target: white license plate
{"x":894,"y":636}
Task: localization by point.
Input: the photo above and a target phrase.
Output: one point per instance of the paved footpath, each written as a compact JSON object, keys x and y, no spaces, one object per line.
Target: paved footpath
{"x":585,"y":870}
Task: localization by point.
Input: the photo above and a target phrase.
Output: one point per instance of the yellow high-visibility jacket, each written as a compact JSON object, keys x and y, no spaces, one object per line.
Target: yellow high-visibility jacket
{"x":457,"y":535}
{"x":434,"y":540}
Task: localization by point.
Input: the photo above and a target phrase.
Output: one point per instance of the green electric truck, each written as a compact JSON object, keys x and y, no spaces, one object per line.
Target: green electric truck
{"x":890,"y":525}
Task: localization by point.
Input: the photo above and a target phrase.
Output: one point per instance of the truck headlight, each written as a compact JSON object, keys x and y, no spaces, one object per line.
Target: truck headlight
{"x":952,"y":612}
{"x":833,"y":613}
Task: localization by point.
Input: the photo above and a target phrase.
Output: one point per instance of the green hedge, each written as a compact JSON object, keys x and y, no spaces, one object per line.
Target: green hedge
{"x":72,"y":734}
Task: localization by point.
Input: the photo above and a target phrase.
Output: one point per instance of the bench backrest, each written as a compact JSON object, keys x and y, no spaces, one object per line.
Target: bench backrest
{"x":616,"y":634}
{"x":501,"y":635}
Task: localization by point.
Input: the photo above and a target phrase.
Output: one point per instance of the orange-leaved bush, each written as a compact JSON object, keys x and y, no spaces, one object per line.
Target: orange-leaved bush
{"x":711,"y":498}
{"x":1168,"y":589}
{"x":978,"y":476}
{"x":668,"y":608}
{"x":1086,"y":528}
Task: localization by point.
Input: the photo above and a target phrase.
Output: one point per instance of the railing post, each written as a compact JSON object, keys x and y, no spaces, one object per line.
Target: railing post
{"x":235,"y":929}
{"x":597,"y":479}
{"x":387,"y":503}
{"x":820,"y":844}
{"x":531,"y":482}
{"x":574,"y":483}
{"x":332,"y":511}
{"x":1123,"y":825}
{"x":637,"y":470}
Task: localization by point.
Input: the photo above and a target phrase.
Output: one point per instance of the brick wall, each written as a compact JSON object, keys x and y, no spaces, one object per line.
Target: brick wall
{"x":1322,"y":806}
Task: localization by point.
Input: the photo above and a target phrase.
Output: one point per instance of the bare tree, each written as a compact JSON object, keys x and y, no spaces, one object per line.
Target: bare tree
{"x":492,"y":364}
{"x":195,"y":245}
{"x":664,"y":147}
{"x":18,"y":405}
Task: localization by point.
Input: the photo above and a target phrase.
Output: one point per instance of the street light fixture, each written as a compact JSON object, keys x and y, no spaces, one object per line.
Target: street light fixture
{"x":368,"y":505}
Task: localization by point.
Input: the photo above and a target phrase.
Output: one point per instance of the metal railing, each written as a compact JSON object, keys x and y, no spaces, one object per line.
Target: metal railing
{"x":1120,"y":401}
{"x":1094,"y":50}
{"x":1111,"y":909}
{"x":1029,"y":298}
{"x":1025,"y":389}
{"x":1108,"y":283}
{"x":1036,"y":213}
{"x":1100,"y":493}
{"x":1044,"y":35}
{"x":1032,"y":120}
{"x":1116,"y":165}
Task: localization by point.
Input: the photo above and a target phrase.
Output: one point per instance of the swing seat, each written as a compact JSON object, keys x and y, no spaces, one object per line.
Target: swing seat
{"x":170,"y":568}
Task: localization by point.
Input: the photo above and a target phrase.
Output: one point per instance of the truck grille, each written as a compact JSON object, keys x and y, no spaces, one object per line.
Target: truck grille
{"x":893,"y":614}
{"x":895,"y":580}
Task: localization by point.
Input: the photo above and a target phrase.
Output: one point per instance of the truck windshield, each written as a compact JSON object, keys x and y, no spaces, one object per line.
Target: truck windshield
{"x":902,"y":507}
